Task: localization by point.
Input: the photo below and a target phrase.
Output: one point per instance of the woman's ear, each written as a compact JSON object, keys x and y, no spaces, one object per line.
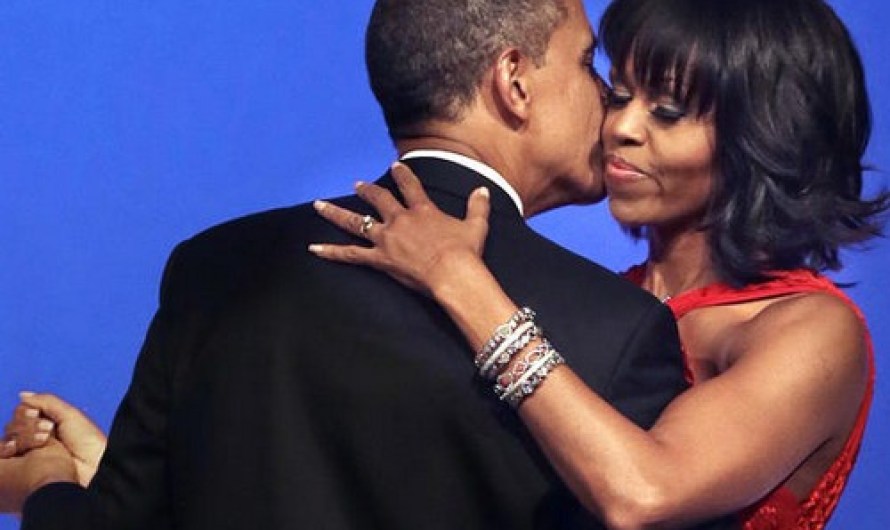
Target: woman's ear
{"x":513,"y":84}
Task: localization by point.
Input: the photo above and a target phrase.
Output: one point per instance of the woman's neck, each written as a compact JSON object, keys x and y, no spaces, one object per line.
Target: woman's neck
{"x":678,"y":261}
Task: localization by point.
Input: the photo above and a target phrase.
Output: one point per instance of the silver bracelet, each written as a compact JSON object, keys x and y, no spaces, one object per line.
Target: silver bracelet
{"x":507,"y":379}
{"x":515,"y":343}
{"x":532,"y":378}
{"x":502,"y":332}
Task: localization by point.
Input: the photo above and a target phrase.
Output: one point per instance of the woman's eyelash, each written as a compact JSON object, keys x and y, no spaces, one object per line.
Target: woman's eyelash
{"x":665,"y":112}
{"x":669,"y":113}
{"x":614,"y":98}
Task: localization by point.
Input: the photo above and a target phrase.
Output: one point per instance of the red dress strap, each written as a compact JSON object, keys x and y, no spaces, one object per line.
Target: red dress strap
{"x":780,"y":284}
{"x":781,"y":510}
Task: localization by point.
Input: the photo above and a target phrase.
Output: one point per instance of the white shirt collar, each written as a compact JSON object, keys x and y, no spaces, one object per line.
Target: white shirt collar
{"x":479,"y":167}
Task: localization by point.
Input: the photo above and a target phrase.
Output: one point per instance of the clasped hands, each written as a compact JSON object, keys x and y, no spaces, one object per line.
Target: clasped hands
{"x":46,"y":440}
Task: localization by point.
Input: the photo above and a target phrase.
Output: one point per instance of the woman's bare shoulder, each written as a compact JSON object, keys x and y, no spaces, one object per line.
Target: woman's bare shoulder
{"x":819,"y":334}
{"x":818,"y":315}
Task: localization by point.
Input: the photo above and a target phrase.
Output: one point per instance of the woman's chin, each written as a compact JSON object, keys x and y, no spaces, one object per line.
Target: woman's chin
{"x":629,"y":218}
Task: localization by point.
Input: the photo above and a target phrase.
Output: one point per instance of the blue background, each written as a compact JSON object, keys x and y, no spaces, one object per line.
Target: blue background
{"x":126,"y":126}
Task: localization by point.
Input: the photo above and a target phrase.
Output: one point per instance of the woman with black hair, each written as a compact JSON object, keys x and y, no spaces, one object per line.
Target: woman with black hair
{"x":733,"y":145}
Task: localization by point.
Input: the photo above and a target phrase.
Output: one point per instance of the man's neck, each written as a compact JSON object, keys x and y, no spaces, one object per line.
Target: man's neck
{"x":474,"y":165}
{"x":446,"y":144}
{"x":489,"y":158}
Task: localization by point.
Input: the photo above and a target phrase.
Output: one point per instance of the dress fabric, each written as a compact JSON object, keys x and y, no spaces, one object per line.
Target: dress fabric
{"x":781,"y":510}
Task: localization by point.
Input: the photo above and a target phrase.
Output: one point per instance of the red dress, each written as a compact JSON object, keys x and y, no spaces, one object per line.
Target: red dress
{"x":781,"y":510}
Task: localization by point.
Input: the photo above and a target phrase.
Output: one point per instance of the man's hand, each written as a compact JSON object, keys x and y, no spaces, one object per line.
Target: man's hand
{"x":39,"y":415}
{"x":20,"y":476}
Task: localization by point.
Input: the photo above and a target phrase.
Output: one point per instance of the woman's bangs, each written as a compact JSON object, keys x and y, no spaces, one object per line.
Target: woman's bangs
{"x":665,"y":61}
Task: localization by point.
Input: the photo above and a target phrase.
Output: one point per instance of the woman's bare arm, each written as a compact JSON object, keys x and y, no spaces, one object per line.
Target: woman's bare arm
{"x":716,"y":449}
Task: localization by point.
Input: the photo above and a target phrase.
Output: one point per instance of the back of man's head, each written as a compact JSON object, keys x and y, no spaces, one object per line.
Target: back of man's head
{"x":426,"y":58}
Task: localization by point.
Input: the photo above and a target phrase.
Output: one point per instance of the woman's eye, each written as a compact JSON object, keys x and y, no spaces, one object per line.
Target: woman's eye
{"x":616,"y":98}
{"x":668,"y":113}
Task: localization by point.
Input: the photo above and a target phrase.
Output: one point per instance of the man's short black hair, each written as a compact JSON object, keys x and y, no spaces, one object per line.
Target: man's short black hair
{"x":426,"y":58}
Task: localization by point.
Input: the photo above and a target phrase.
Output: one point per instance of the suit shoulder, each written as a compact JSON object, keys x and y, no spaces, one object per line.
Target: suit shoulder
{"x":235,"y":254}
{"x":218,"y":259}
{"x":258,"y":232}
{"x":247,"y":231}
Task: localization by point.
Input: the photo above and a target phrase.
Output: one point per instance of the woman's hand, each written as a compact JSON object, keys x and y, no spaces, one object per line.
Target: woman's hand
{"x":27,"y":429}
{"x":38,"y":416}
{"x":417,"y":244}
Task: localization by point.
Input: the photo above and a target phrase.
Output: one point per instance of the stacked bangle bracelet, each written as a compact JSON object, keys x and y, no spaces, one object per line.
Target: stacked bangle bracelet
{"x":515,"y":380}
{"x":502,"y":333}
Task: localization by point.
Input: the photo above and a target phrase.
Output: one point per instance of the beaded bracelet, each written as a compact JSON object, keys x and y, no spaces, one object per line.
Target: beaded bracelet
{"x":515,"y":343}
{"x":507,"y":379}
{"x":532,"y":379}
{"x":502,"y":332}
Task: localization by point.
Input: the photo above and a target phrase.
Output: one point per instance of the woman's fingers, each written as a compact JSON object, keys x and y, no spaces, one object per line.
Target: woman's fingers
{"x":27,"y":430}
{"x":478,"y":208}
{"x":23,"y":412}
{"x":345,"y":253}
{"x":409,"y":185}
{"x":49,"y":405}
{"x":8,"y":449}
{"x":409,"y":243}
{"x":380,"y":198}
{"x":478,"y":205}
{"x":356,"y":224}
{"x":353,"y":223}
{"x":74,"y":429}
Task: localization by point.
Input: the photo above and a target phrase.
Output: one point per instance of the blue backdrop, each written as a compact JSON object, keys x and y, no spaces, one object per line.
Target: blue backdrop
{"x":126,"y":126}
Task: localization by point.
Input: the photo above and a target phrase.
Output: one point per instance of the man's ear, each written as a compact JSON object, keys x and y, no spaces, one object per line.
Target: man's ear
{"x":513,"y":84}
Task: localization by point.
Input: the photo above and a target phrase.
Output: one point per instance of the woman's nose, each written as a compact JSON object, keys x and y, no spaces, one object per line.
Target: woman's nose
{"x":626,"y":125}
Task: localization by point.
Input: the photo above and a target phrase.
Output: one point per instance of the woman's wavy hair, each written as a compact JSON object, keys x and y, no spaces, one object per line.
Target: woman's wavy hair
{"x":787,"y":90}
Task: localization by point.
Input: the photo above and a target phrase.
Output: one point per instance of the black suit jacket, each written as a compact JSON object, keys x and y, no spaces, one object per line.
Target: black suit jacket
{"x":277,"y":390}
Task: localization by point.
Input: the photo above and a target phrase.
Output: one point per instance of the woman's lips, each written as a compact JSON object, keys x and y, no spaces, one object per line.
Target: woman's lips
{"x":619,"y":170}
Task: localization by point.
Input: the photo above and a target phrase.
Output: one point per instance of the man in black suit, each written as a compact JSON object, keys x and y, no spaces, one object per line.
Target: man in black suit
{"x":277,"y":390}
